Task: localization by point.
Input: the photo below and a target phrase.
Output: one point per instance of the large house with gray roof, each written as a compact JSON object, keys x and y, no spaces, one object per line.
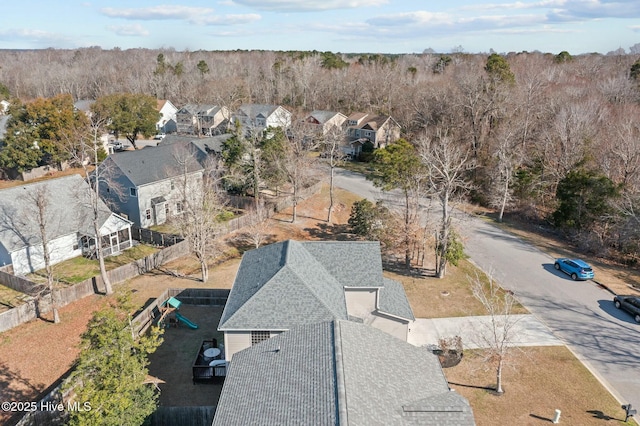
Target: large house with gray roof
{"x":208,"y":120}
{"x":257,"y":117}
{"x":338,"y":373}
{"x":145,"y":185}
{"x":378,"y":130}
{"x":66,"y":211}
{"x":291,"y":283}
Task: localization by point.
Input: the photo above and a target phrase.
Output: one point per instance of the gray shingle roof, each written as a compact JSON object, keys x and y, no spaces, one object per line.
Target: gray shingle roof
{"x":323,"y":116}
{"x":393,"y":300}
{"x":68,"y":211}
{"x":290,"y":283}
{"x":338,"y":373}
{"x":286,"y":380}
{"x":153,"y":164}
{"x":254,"y":110}
{"x":205,"y":145}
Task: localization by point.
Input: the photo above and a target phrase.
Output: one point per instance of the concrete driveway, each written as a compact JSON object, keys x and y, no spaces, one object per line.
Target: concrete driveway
{"x":476,"y":331}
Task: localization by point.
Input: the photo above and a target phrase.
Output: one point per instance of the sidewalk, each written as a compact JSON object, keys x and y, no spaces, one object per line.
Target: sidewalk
{"x":475,"y":331}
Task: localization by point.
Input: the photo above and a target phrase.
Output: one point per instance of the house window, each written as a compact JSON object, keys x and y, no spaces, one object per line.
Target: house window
{"x":259,"y":336}
{"x":179,"y":207}
{"x":166,"y":209}
{"x":173,"y":185}
{"x":133,"y":192}
{"x":147,"y":214}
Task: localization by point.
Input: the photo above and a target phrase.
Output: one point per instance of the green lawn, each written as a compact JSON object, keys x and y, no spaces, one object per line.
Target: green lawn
{"x":80,"y":268}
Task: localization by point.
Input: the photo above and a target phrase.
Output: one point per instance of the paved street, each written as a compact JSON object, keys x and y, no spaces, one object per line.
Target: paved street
{"x":581,"y":314}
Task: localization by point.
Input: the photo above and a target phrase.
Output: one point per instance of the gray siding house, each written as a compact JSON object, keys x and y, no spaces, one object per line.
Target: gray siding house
{"x":69,"y":228}
{"x":257,"y":117}
{"x":144,"y":185}
{"x":291,"y":283}
{"x":338,"y":373}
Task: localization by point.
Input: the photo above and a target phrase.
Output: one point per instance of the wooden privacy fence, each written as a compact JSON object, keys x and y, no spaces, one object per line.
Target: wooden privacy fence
{"x":18,"y":315}
{"x":154,"y":237}
{"x":63,"y":296}
{"x":190,"y":296}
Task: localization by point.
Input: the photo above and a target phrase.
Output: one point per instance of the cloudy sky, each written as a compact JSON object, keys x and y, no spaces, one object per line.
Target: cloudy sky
{"x":375,"y":26}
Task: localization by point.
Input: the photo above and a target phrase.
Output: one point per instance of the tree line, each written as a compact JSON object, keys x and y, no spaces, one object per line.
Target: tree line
{"x":548,"y":136}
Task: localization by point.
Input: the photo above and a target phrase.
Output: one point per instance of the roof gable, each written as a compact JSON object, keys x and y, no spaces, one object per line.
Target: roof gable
{"x":68,"y":211}
{"x":280,"y":286}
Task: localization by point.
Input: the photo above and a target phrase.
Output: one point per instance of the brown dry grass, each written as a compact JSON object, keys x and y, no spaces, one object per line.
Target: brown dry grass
{"x":537,"y":382}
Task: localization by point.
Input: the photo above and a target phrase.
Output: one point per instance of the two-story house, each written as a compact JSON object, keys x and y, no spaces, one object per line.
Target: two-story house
{"x":377,"y":130}
{"x":291,"y":283}
{"x":208,"y":120}
{"x":145,"y":185}
{"x":322,"y":124}
{"x":257,"y":117}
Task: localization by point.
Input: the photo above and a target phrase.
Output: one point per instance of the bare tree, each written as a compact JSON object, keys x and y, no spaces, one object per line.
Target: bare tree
{"x":294,"y":162}
{"x":85,"y":151}
{"x":507,"y":158}
{"x":331,"y":148}
{"x":446,"y":163}
{"x":500,"y":332}
{"x":38,"y":210}
{"x":202,"y":206}
{"x":257,"y":233}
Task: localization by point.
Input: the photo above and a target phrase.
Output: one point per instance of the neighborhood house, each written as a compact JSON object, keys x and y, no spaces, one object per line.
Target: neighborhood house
{"x":338,"y":373}
{"x":291,"y":283}
{"x":146,"y":185}
{"x":63,"y":206}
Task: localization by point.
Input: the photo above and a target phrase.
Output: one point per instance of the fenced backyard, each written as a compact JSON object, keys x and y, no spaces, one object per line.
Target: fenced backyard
{"x":40,"y":302}
{"x":181,"y":401}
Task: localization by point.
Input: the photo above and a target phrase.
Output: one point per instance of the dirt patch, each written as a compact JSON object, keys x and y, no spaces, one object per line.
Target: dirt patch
{"x":36,"y":354}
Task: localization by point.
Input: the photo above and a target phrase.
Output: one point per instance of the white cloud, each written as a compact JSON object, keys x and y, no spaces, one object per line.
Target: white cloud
{"x":227,"y":19}
{"x":635,"y":28}
{"x":38,"y":37}
{"x":157,"y":12}
{"x":193,"y":15}
{"x":135,"y":30}
{"x":308,"y":5}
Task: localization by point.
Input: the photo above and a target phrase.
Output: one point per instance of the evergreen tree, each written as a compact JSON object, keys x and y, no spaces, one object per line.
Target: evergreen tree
{"x":112,"y":370}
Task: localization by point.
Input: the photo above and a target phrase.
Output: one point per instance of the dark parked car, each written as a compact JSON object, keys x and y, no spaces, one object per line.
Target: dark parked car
{"x":630,"y":304}
{"x":576,"y":268}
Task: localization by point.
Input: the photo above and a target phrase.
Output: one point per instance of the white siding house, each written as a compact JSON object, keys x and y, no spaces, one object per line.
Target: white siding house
{"x":66,"y":211}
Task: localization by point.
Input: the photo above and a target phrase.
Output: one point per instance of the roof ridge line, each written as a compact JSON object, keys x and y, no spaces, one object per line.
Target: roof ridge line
{"x":341,"y":390}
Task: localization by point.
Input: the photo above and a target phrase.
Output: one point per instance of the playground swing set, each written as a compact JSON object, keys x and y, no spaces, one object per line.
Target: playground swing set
{"x":169,"y":311}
